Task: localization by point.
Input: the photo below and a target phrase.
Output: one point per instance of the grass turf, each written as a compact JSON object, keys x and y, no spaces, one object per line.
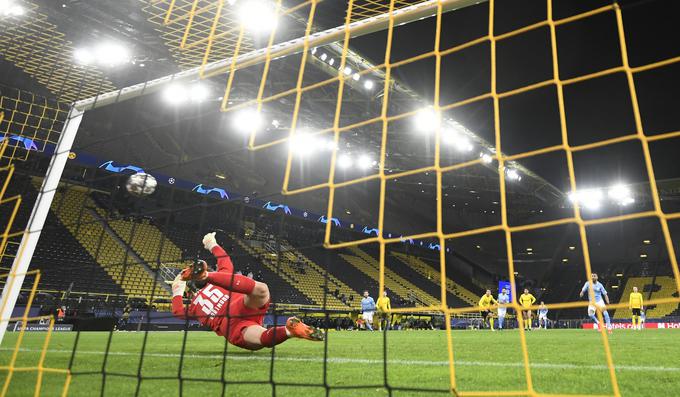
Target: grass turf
{"x":563,"y":362}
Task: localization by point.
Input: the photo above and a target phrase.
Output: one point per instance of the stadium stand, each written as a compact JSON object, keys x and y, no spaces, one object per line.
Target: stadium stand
{"x":461,"y":295}
{"x":664,"y":287}
{"x":394,"y":282}
{"x":298,"y":270}
{"x":117,"y":261}
{"x":63,"y":264}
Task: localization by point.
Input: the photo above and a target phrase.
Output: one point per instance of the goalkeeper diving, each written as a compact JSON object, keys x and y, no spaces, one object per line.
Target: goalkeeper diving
{"x":232,"y":305}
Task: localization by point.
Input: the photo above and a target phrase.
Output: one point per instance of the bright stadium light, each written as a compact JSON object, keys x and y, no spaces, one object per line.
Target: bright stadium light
{"x":368,"y":85}
{"x":323,"y":56}
{"x":356,"y":76}
{"x":9,"y":9}
{"x":111,"y":54}
{"x":302,"y":144}
{"x":247,"y":121}
{"x":83,"y":56}
{"x":104,"y":54}
{"x":347,"y":71}
{"x":513,"y":174}
{"x":620,"y":194}
{"x":257,"y":16}
{"x":344,"y":161}
{"x":486,"y":158}
{"x":198,"y":93}
{"x":589,"y":198}
{"x":364,"y":162}
{"x":452,"y":137}
{"x":427,"y":120}
{"x":175,"y":94}
{"x":331,"y":61}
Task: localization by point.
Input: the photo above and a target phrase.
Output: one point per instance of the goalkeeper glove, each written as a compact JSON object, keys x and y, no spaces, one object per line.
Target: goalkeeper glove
{"x":209,"y":241}
{"x":178,"y":286}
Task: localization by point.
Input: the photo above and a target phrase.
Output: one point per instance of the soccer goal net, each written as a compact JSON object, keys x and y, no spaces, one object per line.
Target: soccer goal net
{"x":375,"y":165}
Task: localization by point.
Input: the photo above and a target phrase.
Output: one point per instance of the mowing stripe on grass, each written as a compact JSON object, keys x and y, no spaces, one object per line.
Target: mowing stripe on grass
{"x":342,"y":360}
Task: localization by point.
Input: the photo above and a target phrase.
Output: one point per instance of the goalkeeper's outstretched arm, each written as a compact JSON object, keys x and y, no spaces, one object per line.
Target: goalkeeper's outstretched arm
{"x":178,"y":287}
{"x":224,"y":263}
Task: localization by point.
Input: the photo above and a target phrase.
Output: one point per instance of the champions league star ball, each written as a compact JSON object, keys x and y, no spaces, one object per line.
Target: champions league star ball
{"x":141,"y":184}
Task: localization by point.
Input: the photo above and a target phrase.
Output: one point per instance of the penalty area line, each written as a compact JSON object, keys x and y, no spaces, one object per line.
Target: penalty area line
{"x":343,"y":360}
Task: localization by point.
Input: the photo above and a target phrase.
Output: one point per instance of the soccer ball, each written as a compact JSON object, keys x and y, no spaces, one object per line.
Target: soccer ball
{"x":141,"y":184}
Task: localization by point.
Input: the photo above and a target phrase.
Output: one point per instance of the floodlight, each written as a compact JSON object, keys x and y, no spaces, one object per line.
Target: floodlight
{"x":175,"y":94}
{"x":344,"y":161}
{"x":347,"y":71}
{"x":198,"y":93}
{"x":302,"y":143}
{"x":589,"y":198}
{"x":331,"y":62}
{"x":427,"y":120}
{"x":9,"y":9}
{"x":356,"y":76}
{"x":111,"y":54}
{"x":486,"y":158}
{"x":83,"y":56}
{"x":620,"y":194}
{"x":258,"y":16}
{"x":364,"y":162}
{"x":247,"y":121}
{"x":368,"y":84}
{"x":513,"y":174}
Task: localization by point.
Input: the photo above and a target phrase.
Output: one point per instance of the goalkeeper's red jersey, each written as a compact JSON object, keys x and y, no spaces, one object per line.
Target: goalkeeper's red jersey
{"x":211,"y":303}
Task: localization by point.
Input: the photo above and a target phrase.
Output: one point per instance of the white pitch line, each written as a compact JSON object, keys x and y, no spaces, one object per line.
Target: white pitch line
{"x":342,"y":360}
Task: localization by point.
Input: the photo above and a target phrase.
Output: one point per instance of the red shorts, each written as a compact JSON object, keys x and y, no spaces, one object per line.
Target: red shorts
{"x":241,"y":317}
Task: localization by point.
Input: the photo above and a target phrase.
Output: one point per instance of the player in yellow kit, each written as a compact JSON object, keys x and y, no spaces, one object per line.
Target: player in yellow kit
{"x":526,"y":300}
{"x":636,"y":305}
{"x":383,"y":306}
{"x":485,"y":303}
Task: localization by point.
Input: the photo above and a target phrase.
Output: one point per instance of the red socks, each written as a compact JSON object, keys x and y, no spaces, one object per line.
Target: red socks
{"x":232,"y":282}
{"x":273,"y":336}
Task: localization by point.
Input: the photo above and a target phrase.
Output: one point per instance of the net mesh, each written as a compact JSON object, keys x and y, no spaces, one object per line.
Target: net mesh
{"x":89,"y":213}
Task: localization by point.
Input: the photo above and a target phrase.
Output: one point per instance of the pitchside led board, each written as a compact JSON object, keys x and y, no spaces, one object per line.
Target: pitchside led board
{"x":505,"y":284}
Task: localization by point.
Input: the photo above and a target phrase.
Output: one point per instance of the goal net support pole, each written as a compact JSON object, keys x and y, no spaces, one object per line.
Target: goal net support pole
{"x":43,"y":203}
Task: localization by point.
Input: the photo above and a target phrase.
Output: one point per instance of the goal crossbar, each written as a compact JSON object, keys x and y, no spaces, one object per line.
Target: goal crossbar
{"x":359,"y":28}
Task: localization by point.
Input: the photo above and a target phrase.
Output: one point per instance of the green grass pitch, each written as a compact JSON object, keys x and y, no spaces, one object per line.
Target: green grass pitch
{"x":563,"y":362}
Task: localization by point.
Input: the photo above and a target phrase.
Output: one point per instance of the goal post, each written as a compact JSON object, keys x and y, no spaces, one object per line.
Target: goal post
{"x":38,"y":217}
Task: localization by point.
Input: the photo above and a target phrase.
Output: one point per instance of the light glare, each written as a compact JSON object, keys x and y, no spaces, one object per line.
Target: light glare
{"x":589,"y":198}
{"x":247,"y":121}
{"x":258,"y":16}
{"x":344,"y":161}
{"x":198,"y":93}
{"x":427,"y":120}
{"x":364,"y":162}
{"x":620,"y":194}
{"x":175,"y":94}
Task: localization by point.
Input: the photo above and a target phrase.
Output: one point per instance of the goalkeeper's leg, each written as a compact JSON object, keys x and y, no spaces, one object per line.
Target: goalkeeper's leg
{"x":257,"y":337}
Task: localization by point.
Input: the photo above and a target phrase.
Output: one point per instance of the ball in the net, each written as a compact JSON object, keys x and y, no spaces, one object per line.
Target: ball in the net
{"x":141,"y":184}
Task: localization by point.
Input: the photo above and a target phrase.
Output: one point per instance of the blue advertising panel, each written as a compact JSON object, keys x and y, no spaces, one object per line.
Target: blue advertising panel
{"x":505,"y":284}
